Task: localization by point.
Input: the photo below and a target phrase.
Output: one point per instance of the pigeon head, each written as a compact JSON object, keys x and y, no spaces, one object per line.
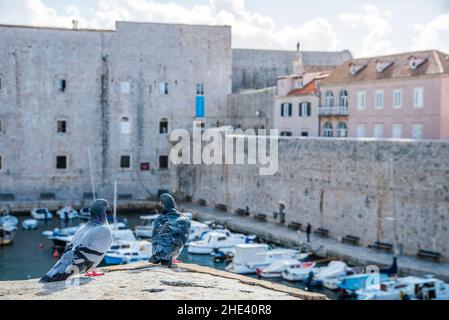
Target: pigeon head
{"x":98,"y":210}
{"x":167,"y":201}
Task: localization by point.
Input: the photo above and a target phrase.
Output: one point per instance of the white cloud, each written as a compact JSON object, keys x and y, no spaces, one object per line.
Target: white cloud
{"x":377,"y":27}
{"x":250,"y":30}
{"x":432,"y":35}
{"x":36,"y":13}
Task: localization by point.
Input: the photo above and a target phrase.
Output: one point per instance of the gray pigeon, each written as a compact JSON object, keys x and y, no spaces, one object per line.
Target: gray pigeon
{"x":170,"y":233}
{"x":88,"y":246}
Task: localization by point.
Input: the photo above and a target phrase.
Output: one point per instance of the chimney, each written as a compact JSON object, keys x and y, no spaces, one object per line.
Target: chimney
{"x":75,"y":24}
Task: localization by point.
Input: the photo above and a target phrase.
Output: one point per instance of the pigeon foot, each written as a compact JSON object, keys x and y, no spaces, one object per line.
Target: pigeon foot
{"x":176,"y":261}
{"x":94,"y":273}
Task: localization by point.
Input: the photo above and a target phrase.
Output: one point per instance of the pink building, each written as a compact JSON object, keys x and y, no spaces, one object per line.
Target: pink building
{"x":396,"y":96}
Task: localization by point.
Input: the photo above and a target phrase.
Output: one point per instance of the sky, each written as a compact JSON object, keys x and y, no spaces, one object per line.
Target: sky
{"x":365,"y":27}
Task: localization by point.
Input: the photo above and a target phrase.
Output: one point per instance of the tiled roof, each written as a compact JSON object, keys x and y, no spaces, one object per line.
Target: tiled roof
{"x":435,"y":62}
{"x":308,"y":89}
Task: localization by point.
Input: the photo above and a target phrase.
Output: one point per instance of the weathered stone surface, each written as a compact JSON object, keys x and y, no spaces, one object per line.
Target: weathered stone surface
{"x":148,"y":282}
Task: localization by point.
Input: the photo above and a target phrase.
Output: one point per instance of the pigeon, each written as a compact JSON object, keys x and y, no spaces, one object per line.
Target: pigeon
{"x":170,"y":233}
{"x":88,"y":247}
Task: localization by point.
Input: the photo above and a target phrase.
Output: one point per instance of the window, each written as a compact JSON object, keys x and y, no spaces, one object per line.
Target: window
{"x":164,"y":88}
{"x":418,"y":97}
{"x":286,"y":110}
{"x":62,"y":126}
{"x":1,"y":163}
{"x":61,"y":162}
{"x":361,"y":100}
{"x":61,"y":85}
{"x":1,"y":126}
{"x":125,"y":162}
{"x":328,"y":130}
{"x":163,"y":126}
{"x":361,"y":130}
{"x":378,"y":130}
{"x":286,"y":134}
{"x":200,"y":89}
{"x":397,"y":131}
{"x":124,"y":87}
{"x":163,"y":162}
{"x":299,"y":84}
{"x":304,"y":133}
{"x":125,"y":126}
{"x":397,"y":99}
{"x":343,"y":98}
{"x":305,"y":109}
{"x":417,"y":131}
{"x":1,"y":83}
{"x":379,"y":103}
{"x":342,"y":130}
{"x":329,"y":99}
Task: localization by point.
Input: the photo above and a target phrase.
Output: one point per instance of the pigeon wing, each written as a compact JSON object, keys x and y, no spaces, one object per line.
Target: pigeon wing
{"x":84,"y":254}
{"x":181,"y":231}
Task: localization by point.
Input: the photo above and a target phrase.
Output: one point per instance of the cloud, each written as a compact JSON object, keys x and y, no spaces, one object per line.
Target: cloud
{"x":432,"y":35}
{"x":376,"y":26}
{"x":36,"y":13}
{"x":250,"y":30}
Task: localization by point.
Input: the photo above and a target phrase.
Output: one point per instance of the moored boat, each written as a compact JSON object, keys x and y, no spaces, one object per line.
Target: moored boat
{"x":218,"y":240}
{"x":6,"y":235}
{"x":128,"y":252}
{"x":41,"y":214}
{"x":67,"y":213}
{"x":275,"y":269}
{"x":145,"y":229}
{"x":29,"y":224}
{"x":8,"y":221}
{"x":300,"y":273}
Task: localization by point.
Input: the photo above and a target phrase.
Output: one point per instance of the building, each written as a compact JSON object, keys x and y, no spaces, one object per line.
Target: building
{"x":297,"y":101}
{"x":116,"y":93}
{"x":259,"y":69}
{"x":397,"y":96}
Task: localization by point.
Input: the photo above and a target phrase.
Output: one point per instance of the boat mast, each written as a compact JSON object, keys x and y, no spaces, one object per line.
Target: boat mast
{"x":91,"y":174}
{"x":115,"y":205}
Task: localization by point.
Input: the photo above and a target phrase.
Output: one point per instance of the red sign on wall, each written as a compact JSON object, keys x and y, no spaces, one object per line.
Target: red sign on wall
{"x":145,"y":166}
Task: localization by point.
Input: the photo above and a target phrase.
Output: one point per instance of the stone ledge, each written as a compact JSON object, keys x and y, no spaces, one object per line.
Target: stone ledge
{"x":145,"y":281}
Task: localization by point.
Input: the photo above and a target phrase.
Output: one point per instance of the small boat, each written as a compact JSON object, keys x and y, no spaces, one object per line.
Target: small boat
{"x":67,"y":213}
{"x":353,"y":282}
{"x":84,"y":213}
{"x":29,"y":224}
{"x":6,"y":235}
{"x":145,"y":230}
{"x":335,"y":269}
{"x":275,"y":269}
{"x":128,"y":252}
{"x":198,"y":231}
{"x":8,"y":221}
{"x":218,"y":240}
{"x":250,"y":257}
{"x":224,"y":255}
{"x":301,"y":272}
{"x":41,"y":214}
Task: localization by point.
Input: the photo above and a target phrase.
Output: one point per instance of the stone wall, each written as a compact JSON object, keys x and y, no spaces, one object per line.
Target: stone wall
{"x":346,"y":186}
{"x":257,"y":69}
{"x":110,"y":75}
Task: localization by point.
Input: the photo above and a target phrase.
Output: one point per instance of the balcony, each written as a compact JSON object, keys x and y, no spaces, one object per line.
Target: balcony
{"x":334,"y":111}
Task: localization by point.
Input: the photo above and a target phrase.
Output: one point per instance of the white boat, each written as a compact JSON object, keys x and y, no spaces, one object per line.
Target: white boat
{"x":41,"y":214}
{"x":67,"y":213}
{"x":8,"y":221}
{"x":275,"y":269}
{"x":29,"y":224}
{"x":412,"y":288}
{"x":335,"y":269}
{"x":127,"y":252}
{"x":250,"y":257}
{"x":300,"y":273}
{"x":145,"y":230}
{"x":217,"y":240}
{"x":84,"y":213}
{"x":6,"y":235}
{"x":198,"y":230}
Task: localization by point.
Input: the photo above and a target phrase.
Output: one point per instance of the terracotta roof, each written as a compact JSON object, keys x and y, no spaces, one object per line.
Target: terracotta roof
{"x":435,"y":62}
{"x":308,"y":89}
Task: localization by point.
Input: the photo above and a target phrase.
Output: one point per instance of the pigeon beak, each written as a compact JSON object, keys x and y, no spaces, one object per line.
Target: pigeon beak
{"x":108,"y":210}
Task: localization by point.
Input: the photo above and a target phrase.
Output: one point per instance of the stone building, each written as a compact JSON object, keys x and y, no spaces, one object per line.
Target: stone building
{"x":116,"y":93}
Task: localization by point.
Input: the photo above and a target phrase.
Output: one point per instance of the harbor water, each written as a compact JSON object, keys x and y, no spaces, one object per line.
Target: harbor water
{"x":31,"y":254}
